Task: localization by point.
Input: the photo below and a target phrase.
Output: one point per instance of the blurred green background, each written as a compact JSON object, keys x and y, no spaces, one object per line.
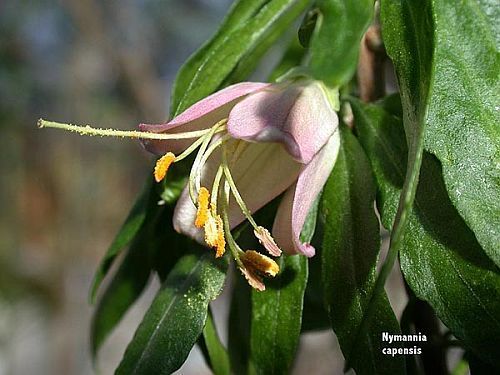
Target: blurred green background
{"x":63,"y":197}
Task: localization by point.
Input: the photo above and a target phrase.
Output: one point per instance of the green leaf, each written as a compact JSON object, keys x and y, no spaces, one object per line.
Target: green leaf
{"x":176,"y":317}
{"x":350,"y":251}
{"x":276,"y":317}
{"x":334,"y":46}
{"x":239,"y":326}
{"x":315,"y":317}
{"x":218,"y":62}
{"x":216,"y":354}
{"x":126,"y":234}
{"x":463,"y":121}
{"x":239,"y":13}
{"x":440,"y":257}
{"x":408,"y":34}
{"x":123,"y":290}
{"x":251,"y":59}
{"x":155,"y":247}
{"x":407,"y":29}
{"x":147,"y":252}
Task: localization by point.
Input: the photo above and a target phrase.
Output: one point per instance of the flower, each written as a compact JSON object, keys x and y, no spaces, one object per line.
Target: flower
{"x":262,"y":140}
{"x":255,"y":141}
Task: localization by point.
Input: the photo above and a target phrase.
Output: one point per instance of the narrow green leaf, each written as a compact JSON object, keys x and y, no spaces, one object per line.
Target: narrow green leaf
{"x":407,"y":29}
{"x":176,"y":317}
{"x":350,"y":251}
{"x":156,"y":246}
{"x":147,"y":252}
{"x":408,"y":35}
{"x":334,"y":46}
{"x":240,"y":12}
{"x":250,"y":61}
{"x":218,"y":62}
{"x":315,"y":317}
{"x":216,"y":354}
{"x":240,"y":313}
{"x":463,"y":123}
{"x":123,"y":290}
{"x":125,"y":235}
{"x":440,"y":257}
{"x":276,"y":317}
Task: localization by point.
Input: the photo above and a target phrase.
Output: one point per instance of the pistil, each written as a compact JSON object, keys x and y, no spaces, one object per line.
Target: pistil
{"x":90,"y":131}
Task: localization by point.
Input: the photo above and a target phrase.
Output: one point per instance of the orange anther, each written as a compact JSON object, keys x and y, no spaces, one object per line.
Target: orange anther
{"x":259,"y":263}
{"x":162,"y":165}
{"x":202,"y":213}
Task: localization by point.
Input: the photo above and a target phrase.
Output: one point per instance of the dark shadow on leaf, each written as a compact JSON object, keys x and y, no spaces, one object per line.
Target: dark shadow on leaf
{"x":284,"y":278}
{"x":441,"y":220}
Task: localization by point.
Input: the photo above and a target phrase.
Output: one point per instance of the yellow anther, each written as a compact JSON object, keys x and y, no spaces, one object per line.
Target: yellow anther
{"x":221,"y":240}
{"x":162,"y":165}
{"x":260,"y":264}
{"x":214,"y":234}
{"x":202,"y":213}
{"x":211,"y":232}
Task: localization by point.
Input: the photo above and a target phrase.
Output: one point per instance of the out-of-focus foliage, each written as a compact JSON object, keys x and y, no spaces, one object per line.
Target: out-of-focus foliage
{"x":423,"y":164}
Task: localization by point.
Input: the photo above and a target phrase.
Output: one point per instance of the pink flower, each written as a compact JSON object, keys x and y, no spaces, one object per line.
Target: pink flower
{"x":255,"y":141}
{"x":258,"y":141}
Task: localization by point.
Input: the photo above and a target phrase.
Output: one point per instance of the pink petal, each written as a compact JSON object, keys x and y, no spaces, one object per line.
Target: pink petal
{"x":297,"y":115}
{"x":261,"y":171}
{"x":299,"y":199}
{"x":201,"y":115}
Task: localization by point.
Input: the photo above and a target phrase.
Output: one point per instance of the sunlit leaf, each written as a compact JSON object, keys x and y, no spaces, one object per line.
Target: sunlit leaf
{"x":219,"y":60}
{"x":176,"y":317}
{"x":340,"y":25}
{"x":463,"y":117}
{"x":239,"y":13}
{"x":440,"y":257}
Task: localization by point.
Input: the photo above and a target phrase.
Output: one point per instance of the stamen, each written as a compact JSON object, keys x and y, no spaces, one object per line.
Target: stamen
{"x":162,"y":165}
{"x":259,"y":263}
{"x":221,"y":240}
{"x":214,"y":234}
{"x":211,"y":232}
{"x":254,"y":280}
{"x":90,"y":131}
{"x":205,"y":157}
{"x":267,"y":241}
{"x":215,"y":190}
{"x":234,"y":190}
{"x":202,"y":213}
{"x":260,"y":232}
{"x":233,"y":246}
{"x":201,"y":151}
